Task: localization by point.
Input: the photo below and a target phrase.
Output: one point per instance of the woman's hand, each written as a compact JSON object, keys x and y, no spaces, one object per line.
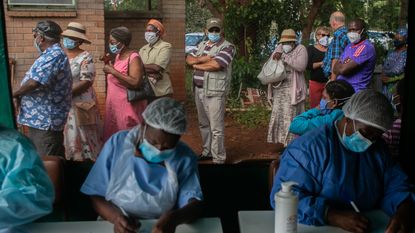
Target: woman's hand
{"x":277,"y":56}
{"x":123,"y":224}
{"x":165,"y":224}
{"x":348,"y":220}
{"x":109,"y":69}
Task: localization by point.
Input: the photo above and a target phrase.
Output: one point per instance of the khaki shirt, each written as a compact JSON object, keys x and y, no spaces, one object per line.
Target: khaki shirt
{"x":159,"y":54}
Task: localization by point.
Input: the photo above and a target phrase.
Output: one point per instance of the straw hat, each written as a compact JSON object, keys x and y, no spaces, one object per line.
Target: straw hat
{"x":76,"y":30}
{"x":288,"y":35}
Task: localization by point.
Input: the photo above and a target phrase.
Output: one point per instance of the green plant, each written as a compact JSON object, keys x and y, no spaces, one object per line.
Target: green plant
{"x":244,"y":75}
{"x":253,"y":116}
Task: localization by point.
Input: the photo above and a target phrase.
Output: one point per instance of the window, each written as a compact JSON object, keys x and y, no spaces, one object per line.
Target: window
{"x":131,"y":5}
{"x":41,"y":4}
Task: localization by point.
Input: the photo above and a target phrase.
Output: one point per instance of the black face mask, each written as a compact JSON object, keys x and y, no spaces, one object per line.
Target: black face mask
{"x":398,"y":43}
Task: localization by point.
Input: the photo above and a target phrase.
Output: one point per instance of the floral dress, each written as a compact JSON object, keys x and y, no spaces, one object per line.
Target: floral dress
{"x":83,"y":142}
{"x":393,"y":67}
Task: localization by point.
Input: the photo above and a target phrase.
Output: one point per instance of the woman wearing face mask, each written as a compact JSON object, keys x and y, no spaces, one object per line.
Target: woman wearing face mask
{"x":316,"y":55}
{"x":395,"y":62}
{"x":287,"y":96}
{"x":156,"y":58}
{"x":347,"y":161}
{"x":126,"y":72}
{"x":150,"y":162}
{"x":335,"y":94}
{"x":82,"y":139}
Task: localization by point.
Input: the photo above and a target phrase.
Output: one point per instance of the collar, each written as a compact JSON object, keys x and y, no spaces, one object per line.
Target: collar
{"x":358,"y":44}
{"x":155,"y":45}
{"x":339,"y":30}
{"x":215,"y":44}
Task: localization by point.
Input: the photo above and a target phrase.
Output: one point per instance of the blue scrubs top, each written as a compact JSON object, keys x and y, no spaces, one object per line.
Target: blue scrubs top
{"x":150,"y":176}
{"x":330,"y":175}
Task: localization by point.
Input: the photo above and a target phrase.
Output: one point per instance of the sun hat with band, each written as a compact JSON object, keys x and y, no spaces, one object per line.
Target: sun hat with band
{"x":76,"y":30}
{"x":288,"y":35}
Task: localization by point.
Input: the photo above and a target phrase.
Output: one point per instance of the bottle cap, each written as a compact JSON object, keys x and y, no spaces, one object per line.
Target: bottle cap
{"x":286,"y":186}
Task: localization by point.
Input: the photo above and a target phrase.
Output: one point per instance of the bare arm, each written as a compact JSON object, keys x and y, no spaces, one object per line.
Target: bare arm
{"x":113,"y":214}
{"x":317,"y":65}
{"x":210,"y":66}
{"x":191,"y":60}
{"x":170,"y":220}
{"x":81,"y":87}
{"x":135,"y":75}
{"x":27,"y":87}
{"x":348,"y":67}
{"x":333,"y":76}
{"x":153,"y":68}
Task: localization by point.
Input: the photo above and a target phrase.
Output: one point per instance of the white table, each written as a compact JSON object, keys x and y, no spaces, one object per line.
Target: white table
{"x":263,"y":221}
{"x":208,"y":225}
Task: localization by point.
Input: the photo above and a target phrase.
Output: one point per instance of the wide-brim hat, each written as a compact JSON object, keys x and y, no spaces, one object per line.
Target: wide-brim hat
{"x":76,"y":30}
{"x":288,"y":35}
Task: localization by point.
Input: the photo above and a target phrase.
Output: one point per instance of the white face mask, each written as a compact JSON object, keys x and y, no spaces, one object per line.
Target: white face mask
{"x":151,"y":37}
{"x":287,"y":48}
{"x":354,"y":36}
{"x":324,"y":41}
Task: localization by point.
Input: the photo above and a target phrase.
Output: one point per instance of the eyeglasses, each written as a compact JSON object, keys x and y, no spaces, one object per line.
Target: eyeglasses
{"x":320,"y":34}
{"x":217,"y":30}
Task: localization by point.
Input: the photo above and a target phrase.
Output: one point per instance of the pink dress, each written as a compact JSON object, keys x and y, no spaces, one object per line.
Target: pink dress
{"x":119,"y":113}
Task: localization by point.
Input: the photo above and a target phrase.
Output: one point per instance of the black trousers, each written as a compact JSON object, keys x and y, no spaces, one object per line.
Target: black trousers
{"x":47,"y":142}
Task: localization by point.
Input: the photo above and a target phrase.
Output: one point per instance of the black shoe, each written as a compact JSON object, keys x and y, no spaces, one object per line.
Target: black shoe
{"x":203,"y":157}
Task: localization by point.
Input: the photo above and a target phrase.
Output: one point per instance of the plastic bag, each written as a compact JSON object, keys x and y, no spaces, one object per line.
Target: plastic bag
{"x":272,"y":71}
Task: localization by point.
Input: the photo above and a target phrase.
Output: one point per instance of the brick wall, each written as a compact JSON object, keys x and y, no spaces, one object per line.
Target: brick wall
{"x":19,"y":26}
{"x":173,"y":18}
{"x":90,"y":13}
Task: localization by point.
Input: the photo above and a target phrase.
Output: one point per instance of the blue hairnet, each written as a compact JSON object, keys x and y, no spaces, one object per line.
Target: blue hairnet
{"x":26,"y":192}
{"x":403,"y":32}
{"x":166,"y":114}
{"x":371,"y":108}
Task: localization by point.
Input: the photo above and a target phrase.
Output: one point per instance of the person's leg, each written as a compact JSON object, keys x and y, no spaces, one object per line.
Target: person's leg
{"x":47,"y":142}
{"x":204,"y":124}
{"x":316,"y":92}
{"x":217,"y":117}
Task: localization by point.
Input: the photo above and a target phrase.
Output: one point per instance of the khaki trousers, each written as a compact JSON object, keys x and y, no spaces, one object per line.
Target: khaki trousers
{"x":211,"y":114}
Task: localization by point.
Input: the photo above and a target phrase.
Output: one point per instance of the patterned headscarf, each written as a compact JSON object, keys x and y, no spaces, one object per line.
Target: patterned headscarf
{"x":122,"y":34}
{"x":403,"y":32}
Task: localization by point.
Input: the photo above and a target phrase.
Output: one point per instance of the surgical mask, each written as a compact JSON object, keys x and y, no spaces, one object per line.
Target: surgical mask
{"x":69,"y":43}
{"x":323,"y":106}
{"x":151,"y":37}
{"x":354,"y":36}
{"x":324,"y":41}
{"x":287,"y":48}
{"x":398,"y":43}
{"x":37,"y":46}
{"x":152,"y":154}
{"x":114,"y":48}
{"x":214,"y":37}
{"x":355,"y":142}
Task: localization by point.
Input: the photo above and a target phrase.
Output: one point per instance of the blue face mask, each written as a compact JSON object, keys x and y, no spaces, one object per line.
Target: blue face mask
{"x":69,"y":43}
{"x":114,"y":48}
{"x":355,"y":142}
{"x":323,"y":106}
{"x":37,"y":46}
{"x":214,"y":37}
{"x":154,"y":155}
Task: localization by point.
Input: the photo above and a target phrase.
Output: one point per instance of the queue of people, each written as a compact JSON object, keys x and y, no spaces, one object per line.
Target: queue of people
{"x":142,"y":169}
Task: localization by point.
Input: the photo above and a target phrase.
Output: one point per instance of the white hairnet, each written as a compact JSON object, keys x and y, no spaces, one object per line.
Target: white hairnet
{"x":371,"y":108}
{"x":166,"y":114}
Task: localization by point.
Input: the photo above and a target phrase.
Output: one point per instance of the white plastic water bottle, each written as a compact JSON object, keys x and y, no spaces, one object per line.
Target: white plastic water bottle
{"x":286,"y":203}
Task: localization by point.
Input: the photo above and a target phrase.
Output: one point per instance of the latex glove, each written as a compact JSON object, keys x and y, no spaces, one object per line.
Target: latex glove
{"x":348,"y":220}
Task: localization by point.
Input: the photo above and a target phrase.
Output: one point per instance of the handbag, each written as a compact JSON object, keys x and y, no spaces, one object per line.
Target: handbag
{"x":272,"y":71}
{"x":85,"y":113}
{"x":145,"y":91}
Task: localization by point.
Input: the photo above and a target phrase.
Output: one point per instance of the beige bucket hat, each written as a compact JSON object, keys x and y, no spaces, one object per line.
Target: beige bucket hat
{"x":76,"y":30}
{"x":288,"y":35}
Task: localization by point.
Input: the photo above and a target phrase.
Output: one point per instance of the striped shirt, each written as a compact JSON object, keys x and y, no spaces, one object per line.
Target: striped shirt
{"x":335,"y":49}
{"x":223,"y":58}
{"x":392,"y":138}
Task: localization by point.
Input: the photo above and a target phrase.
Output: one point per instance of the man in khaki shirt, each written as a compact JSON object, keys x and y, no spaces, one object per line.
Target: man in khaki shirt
{"x":156,"y":58}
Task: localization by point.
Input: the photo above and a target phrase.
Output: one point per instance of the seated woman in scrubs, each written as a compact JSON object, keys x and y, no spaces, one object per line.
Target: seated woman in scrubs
{"x":26,"y":192}
{"x":335,"y":94}
{"x":345,"y":162}
{"x":147,"y":173}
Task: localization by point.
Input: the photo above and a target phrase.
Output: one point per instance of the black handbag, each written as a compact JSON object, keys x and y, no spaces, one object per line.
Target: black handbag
{"x":144,"y":92}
